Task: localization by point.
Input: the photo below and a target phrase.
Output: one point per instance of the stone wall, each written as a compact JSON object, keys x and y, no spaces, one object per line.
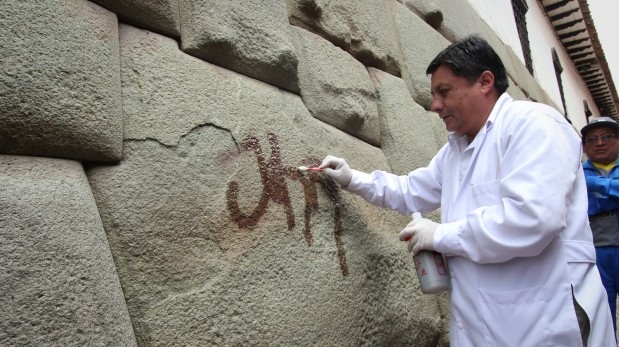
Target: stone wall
{"x":148,"y":186}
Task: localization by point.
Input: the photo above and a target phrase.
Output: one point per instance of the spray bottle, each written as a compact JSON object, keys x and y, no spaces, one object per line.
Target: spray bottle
{"x":431,"y":268}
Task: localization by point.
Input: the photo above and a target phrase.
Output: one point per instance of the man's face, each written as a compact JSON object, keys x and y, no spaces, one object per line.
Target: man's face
{"x":458,"y":102}
{"x":601,"y":145}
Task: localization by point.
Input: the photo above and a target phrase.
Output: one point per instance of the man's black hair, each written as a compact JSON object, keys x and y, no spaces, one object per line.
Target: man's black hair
{"x":470,"y":57}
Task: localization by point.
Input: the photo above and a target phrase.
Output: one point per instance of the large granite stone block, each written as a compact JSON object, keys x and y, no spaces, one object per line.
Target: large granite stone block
{"x":410,"y":135}
{"x":363,"y":28}
{"x":420,"y":43}
{"x":250,"y":37}
{"x":60,"y":80}
{"x":58,"y":283}
{"x":336,"y":88}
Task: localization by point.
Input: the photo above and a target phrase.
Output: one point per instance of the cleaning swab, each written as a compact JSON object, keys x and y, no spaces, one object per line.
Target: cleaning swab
{"x":305,"y":168}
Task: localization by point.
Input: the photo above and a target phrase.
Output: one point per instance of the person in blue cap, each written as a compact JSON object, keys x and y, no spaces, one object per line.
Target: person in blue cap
{"x":601,"y":145}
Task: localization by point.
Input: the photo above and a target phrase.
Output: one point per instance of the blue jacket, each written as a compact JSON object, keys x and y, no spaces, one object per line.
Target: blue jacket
{"x":603,"y":192}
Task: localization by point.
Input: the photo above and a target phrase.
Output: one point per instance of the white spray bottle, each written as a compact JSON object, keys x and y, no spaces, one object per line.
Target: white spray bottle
{"x":432,"y":270}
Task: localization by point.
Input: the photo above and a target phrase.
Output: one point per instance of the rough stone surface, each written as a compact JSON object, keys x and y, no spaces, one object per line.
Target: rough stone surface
{"x":363,"y":28}
{"x":60,"y":82}
{"x":410,"y":135}
{"x":426,"y":9}
{"x":337,"y":89}
{"x":58,"y":283}
{"x":161,"y":16}
{"x":420,"y":44}
{"x":219,"y":240}
{"x":249,"y":37}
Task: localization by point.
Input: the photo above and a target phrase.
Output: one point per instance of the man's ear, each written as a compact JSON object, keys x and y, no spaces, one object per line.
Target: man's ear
{"x":486,"y":81}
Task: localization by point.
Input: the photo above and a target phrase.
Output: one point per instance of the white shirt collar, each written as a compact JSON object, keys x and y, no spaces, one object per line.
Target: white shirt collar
{"x":461,"y":142}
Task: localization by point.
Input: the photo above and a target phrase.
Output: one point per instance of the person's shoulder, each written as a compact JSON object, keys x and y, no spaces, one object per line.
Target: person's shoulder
{"x":534,"y":114}
{"x":537,"y":118}
{"x":526,"y":108}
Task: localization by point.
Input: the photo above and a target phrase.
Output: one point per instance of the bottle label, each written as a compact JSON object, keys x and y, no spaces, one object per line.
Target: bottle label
{"x":439,"y":263}
{"x":441,"y":267}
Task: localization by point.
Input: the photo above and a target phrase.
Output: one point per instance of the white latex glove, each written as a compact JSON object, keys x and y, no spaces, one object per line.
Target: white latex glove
{"x":337,"y":169}
{"x":419,"y":233}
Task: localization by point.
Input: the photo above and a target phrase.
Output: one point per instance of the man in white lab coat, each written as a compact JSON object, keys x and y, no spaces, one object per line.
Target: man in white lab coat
{"x":513,"y":205}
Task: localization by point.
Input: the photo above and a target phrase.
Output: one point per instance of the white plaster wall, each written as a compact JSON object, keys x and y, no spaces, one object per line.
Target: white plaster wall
{"x":498,"y":14}
{"x":542,"y":38}
{"x":541,"y":41}
{"x":575,"y":92}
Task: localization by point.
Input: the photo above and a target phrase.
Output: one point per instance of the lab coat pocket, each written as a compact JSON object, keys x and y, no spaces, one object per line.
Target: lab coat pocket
{"x":486,"y":193}
{"x":515,"y":318}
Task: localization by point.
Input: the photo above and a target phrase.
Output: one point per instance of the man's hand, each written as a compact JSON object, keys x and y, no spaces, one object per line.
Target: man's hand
{"x":337,"y":169}
{"x":420,"y":232}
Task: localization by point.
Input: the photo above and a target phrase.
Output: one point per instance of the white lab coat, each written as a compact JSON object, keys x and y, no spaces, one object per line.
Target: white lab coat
{"x":514,"y":229}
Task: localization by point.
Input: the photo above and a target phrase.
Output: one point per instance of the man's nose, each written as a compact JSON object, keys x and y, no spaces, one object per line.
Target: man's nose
{"x":436,"y":105}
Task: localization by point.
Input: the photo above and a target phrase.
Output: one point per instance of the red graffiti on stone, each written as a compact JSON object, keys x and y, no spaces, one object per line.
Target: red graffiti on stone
{"x":273,"y":176}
